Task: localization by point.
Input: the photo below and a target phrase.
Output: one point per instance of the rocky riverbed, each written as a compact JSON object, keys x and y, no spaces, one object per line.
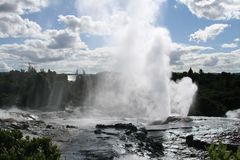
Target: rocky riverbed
{"x":110,"y":138}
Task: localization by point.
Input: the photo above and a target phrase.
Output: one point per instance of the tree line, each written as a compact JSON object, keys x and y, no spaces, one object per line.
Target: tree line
{"x":47,"y":90}
{"x":217,"y":92}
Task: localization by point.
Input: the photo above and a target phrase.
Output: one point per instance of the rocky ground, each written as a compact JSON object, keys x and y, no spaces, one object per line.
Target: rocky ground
{"x":175,"y":138}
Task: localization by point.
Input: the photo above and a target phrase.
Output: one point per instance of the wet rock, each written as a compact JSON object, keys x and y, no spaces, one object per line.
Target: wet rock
{"x":8,"y":120}
{"x":19,"y":125}
{"x":132,"y":136}
{"x":157,"y":122}
{"x":127,"y":145}
{"x":189,"y":140}
{"x":99,"y":155}
{"x":49,"y":126}
{"x":177,"y":119}
{"x":118,"y":126}
{"x":98,"y":131}
{"x":34,"y":133}
{"x":140,"y":135}
{"x":37,"y":123}
{"x":28,"y":116}
{"x":196,"y":143}
{"x":232,"y":137}
{"x":155,"y":148}
{"x":69,"y":126}
{"x":193,"y":155}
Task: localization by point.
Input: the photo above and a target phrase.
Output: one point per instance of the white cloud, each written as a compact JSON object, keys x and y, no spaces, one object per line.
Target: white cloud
{"x":4,"y":67}
{"x":229,"y":45}
{"x":64,"y":39}
{"x":49,"y":53}
{"x":214,"y":9}
{"x":99,"y":10}
{"x":210,"y":32}
{"x":85,"y":24}
{"x":180,"y":49}
{"x":189,"y":48}
{"x":54,"y":45}
{"x":236,"y":40}
{"x":92,"y":61}
{"x":30,"y":54}
{"x":13,"y":25}
{"x":211,"y":61}
{"x":22,"y":6}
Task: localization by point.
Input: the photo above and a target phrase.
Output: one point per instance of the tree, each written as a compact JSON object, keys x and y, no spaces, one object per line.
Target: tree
{"x":190,"y":72}
{"x":31,"y":69}
{"x":201,"y":71}
{"x":14,"y":146}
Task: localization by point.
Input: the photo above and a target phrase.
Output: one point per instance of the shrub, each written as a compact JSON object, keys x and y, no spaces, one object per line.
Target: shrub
{"x":13,"y":146}
{"x":220,"y":152}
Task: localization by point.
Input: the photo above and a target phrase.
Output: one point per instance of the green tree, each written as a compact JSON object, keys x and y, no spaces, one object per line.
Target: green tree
{"x":13,"y":146}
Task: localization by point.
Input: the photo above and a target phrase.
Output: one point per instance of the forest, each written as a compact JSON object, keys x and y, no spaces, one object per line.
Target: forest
{"x":47,"y":90}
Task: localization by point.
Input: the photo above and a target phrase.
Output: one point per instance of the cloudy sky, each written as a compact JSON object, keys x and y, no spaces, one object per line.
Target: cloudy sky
{"x":65,"y":35}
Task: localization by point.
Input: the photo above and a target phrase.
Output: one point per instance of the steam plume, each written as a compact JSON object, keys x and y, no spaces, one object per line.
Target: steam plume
{"x":142,"y":54}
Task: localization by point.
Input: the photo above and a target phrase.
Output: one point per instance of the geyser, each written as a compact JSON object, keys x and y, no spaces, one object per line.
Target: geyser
{"x":141,"y":55}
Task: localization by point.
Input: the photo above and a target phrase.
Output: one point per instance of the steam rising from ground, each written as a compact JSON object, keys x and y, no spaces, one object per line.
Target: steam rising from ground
{"x":233,"y":113}
{"x":141,"y":52}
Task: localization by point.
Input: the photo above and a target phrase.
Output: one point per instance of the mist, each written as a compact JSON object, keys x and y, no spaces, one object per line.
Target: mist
{"x":141,"y":52}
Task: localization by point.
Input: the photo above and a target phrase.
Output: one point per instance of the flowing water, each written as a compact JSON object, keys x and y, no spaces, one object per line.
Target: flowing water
{"x":75,"y":133}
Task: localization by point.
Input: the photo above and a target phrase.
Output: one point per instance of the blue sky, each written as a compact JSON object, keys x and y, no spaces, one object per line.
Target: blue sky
{"x":181,"y":23}
{"x":34,"y":32}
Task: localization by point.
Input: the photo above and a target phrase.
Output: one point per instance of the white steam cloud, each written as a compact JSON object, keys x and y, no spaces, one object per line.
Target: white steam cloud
{"x":142,"y":50}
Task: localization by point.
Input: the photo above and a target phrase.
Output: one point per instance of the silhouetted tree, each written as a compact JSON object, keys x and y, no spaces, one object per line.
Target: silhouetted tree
{"x":190,"y":72}
{"x":201,"y":71}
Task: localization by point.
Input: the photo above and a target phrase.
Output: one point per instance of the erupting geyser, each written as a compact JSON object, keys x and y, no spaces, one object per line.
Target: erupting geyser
{"x":142,"y":54}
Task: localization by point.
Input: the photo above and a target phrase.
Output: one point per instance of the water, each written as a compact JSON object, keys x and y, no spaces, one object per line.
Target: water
{"x":80,"y":142}
{"x":71,"y":78}
{"x":140,"y":51}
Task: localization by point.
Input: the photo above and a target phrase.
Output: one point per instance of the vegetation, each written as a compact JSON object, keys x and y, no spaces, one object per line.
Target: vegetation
{"x":14,"y":147}
{"x":220,"y":152}
{"x":217,"y":92}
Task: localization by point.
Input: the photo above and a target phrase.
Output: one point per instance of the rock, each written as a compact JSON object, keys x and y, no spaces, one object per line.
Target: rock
{"x":37,"y":123}
{"x":193,"y":155}
{"x":22,"y":125}
{"x":99,"y":155}
{"x":154,"y":147}
{"x":127,"y":145}
{"x":132,"y":136}
{"x":49,"y":126}
{"x":140,"y":135}
{"x":9,"y":120}
{"x":157,"y":122}
{"x":196,"y":143}
{"x":118,"y":126}
{"x":128,"y":126}
{"x":98,"y":131}
{"x":189,"y":140}
{"x":177,"y":119}
{"x":69,"y":126}
{"x":34,"y":133}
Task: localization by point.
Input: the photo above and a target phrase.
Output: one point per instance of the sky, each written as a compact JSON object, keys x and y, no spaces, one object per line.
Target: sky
{"x":66,"y":35}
